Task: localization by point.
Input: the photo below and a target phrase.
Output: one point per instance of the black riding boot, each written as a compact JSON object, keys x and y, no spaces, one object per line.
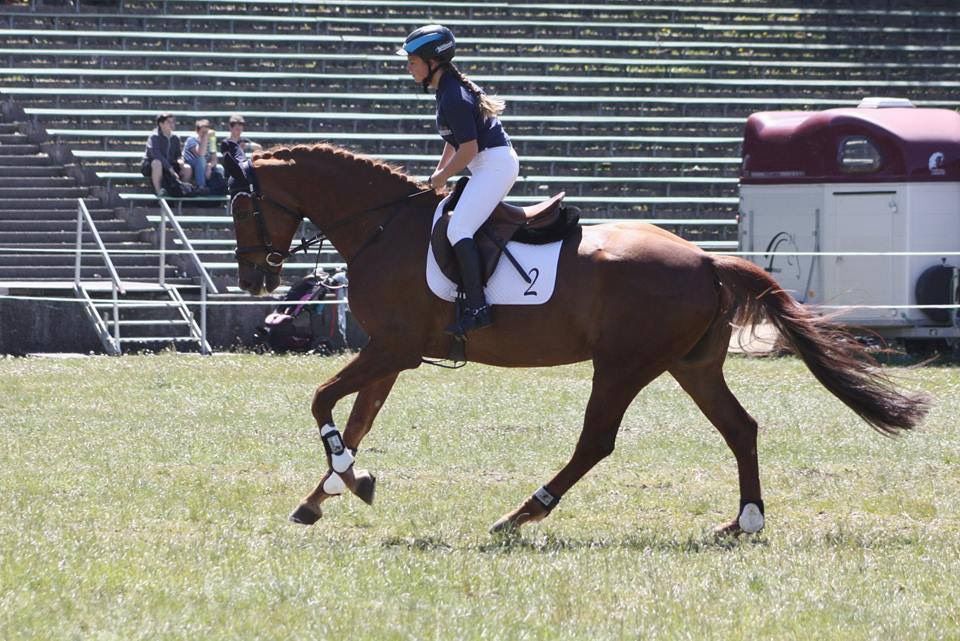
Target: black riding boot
{"x":475,"y":313}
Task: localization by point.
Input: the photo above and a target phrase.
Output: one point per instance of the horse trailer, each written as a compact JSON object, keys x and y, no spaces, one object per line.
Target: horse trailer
{"x":859,"y":207}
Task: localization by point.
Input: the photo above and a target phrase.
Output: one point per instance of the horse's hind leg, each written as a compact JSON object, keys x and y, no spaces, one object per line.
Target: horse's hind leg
{"x":704,"y":382}
{"x":615,"y":385}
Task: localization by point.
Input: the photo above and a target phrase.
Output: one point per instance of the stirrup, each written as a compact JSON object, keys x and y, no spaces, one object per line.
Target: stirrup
{"x":470,"y":320}
{"x":478,"y":318}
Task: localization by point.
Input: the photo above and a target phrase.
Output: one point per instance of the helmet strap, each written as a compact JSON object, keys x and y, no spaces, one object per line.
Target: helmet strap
{"x":433,"y":70}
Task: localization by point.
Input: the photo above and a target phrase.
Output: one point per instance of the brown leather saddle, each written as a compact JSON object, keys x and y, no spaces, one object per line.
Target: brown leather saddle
{"x":544,"y":222}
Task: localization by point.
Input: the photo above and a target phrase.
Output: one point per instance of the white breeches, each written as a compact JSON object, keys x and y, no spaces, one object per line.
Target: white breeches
{"x":492,"y":174}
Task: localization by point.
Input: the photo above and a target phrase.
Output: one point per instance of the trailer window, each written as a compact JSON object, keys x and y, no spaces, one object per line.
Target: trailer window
{"x":858,"y":155}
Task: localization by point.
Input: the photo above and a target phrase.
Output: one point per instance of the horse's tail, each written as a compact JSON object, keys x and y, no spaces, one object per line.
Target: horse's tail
{"x":834,"y":357}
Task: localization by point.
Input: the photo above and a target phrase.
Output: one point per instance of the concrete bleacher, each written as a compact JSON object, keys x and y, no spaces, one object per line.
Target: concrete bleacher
{"x":634,"y":110}
{"x":754,"y":46}
{"x":596,"y":86}
{"x":38,"y":221}
{"x":693,"y":20}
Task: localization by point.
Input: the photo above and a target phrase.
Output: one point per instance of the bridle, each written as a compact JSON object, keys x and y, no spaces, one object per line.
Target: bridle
{"x":275,"y":256}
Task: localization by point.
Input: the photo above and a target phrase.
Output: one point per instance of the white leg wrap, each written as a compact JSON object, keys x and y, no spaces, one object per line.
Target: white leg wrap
{"x":751,"y":518}
{"x":333,"y":484}
{"x":340,"y":457}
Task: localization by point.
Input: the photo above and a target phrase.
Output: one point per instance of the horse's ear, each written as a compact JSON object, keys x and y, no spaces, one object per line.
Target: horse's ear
{"x":233,"y":159}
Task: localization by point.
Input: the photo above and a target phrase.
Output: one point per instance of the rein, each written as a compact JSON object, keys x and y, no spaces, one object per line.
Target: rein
{"x":275,"y":257}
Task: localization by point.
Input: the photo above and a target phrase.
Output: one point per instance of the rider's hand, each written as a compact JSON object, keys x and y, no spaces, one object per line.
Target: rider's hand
{"x":437,"y":181}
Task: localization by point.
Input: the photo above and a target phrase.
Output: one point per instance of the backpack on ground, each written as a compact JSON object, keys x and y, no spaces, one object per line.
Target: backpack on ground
{"x":299,"y":325}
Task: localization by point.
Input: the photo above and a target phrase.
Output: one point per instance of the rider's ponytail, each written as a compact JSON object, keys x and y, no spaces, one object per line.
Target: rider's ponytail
{"x":490,"y":106}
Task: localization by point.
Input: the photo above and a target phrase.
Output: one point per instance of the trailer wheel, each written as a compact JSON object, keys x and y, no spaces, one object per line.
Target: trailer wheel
{"x":933,"y":288}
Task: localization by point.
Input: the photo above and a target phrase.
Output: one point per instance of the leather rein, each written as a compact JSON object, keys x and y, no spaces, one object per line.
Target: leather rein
{"x":276,"y":256}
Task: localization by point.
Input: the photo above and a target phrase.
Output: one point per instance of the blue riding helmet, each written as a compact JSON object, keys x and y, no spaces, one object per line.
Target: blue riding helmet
{"x":430,"y":42}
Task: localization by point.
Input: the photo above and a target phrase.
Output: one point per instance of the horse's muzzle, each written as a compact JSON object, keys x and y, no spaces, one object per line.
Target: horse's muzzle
{"x":256,"y":282}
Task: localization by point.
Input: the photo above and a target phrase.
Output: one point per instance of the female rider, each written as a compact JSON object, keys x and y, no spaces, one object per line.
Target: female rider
{"x":468,"y":122}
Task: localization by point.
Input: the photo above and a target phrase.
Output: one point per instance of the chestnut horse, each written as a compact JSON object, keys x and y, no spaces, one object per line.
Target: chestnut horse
{"x":635,"y":300}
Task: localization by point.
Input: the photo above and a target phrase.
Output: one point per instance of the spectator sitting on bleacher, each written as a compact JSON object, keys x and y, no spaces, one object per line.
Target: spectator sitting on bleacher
{"x":161,"y":161}
{"x":197,"y":152}
{"x":236,"y":134}
{"x":216,"y":176}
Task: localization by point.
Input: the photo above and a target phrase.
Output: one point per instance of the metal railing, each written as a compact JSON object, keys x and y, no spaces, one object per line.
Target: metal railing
{"x":110,"y":342}
{"x":206,"y":284}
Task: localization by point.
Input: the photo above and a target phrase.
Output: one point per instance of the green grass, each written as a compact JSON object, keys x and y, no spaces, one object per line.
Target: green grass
{"x":146,"y":498}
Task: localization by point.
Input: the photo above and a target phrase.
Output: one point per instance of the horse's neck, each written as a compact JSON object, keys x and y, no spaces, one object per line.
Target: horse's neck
{"x":356,"y":198}
{"x":371,"y":214}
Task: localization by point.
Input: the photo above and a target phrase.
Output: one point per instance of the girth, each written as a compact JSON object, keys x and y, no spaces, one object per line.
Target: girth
{"x":537,"y":224}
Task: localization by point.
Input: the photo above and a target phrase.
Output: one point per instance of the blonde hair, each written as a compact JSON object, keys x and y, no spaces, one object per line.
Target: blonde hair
{"x":490,"y":106}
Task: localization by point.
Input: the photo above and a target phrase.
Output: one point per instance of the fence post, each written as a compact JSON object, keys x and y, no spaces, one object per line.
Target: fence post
{"x":76,"y":270}
{"x":116,"y":315}
{"x":203,"y":320}
{"x":163,"y":243}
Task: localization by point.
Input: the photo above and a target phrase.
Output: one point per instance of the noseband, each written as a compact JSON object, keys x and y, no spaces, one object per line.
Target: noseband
{"x":274,"y":256}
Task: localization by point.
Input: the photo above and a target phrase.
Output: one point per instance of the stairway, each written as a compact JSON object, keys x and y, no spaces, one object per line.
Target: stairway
{"x":39,"y":203}
{"x":38,"y":211}
{"x":143,"y":317}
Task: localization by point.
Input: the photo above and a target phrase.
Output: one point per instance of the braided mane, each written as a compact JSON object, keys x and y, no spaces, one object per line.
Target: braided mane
{"x":323,"y":152}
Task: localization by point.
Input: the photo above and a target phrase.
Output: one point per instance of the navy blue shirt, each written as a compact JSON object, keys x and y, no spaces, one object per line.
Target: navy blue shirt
{"x":459,"y":119}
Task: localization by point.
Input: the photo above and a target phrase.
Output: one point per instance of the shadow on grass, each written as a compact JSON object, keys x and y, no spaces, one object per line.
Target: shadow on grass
{"x":421,"y":544}
{"x":871,"y":540}
{"x":550,"y":544}
{"x":665,"y":542}
{"x":837,"y":538}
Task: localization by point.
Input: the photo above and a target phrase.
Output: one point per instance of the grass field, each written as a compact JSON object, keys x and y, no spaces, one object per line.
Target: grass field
{"x":146,"y":498}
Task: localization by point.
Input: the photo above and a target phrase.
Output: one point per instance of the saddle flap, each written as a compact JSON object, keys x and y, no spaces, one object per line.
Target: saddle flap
{"x":447,"y":260}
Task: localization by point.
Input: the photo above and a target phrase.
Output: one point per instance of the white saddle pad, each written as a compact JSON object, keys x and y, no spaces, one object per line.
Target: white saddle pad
{"x":506,"y":286}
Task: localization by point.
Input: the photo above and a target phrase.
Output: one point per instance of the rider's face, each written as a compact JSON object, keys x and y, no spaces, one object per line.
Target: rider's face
{"x":417,"y":67}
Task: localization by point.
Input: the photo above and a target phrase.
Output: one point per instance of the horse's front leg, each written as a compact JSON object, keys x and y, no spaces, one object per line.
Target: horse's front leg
{"x":361,"y":482}
{"x":373,"y":374}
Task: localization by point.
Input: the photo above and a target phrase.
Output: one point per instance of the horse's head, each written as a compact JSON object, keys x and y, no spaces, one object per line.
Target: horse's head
{"x":264,"y":226}
{"x":348,"y":197}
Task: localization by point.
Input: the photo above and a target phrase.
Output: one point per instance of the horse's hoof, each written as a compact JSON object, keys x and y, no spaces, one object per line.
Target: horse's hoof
{"x":304,"y":515}
{"x":505,"y":525}
{"x":530,"y":511}
{"x":366,"y":487}
{"x":728,"y":529}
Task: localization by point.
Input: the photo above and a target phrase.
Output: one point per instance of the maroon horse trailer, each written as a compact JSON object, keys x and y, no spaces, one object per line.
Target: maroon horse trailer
{"x":859,"y":207}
